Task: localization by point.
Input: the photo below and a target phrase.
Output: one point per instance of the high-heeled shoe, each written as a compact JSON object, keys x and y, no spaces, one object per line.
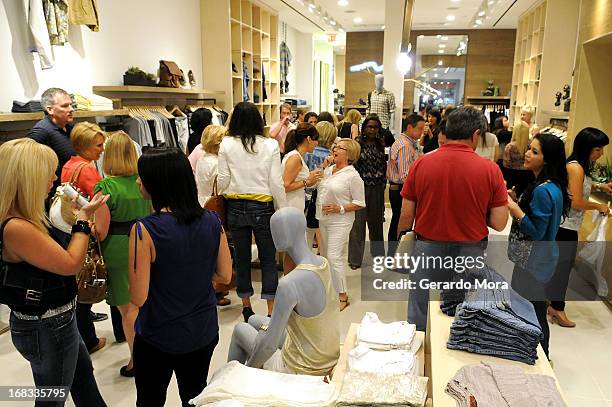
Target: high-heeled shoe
{"x":344,"y":303}
{"x":560,"y":318}
{"x":125,"y":372}
{"x":246,"y":313}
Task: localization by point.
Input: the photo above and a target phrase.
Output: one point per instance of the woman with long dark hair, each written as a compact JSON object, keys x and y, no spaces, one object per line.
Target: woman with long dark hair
{"x":429,"y":140}
{"x":588,"y":148}
{"x":251,"y":179}
{"x":539,"y":212}
{"x":175,"y":254}
{"x":372,"y":168}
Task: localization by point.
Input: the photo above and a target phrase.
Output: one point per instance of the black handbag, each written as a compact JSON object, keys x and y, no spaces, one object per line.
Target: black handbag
{"x":520,"y":246}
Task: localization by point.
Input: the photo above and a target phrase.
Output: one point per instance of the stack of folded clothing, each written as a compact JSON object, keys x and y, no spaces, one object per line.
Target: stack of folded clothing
{"x":494,"y":385}
{"x":257,"y":387}
{"x":496,"y":322}
{"x":382,"y":389}
{"x":26,"y":107}
{"x":449,"y":300}
{"x":378,"y":335}
{"x":364,"y":359}
{"x":91,"y":102}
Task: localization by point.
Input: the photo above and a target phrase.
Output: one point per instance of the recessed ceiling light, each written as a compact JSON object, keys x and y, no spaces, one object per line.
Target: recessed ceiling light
{"x":438,"y":36}
{"x":481,"y":13}
{"x":343,"y":3}
{"x":478,"y":22}
{"x":312,"y":5}
{"x":444,"y":38}
{"x":440,"y":51}
{"x":357,"y":20}
{"x":332,"y":22}
{"x":421,"y":36}
{"x":440,"y":63}
{"x":435,"y":82}
{"x":382,"y":28}
{"x":450,"y":17}
{"x":435,"y":75}
{"x":441,"y":45}
{"x":435,"y":69}
{"x":475,"y":26}
{"x":491,"y":2}
{"x":311,"y":10}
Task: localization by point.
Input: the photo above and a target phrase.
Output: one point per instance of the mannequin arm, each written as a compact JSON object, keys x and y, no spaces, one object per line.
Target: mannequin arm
{"x":392,"y":122}
{"x":267,"y":342}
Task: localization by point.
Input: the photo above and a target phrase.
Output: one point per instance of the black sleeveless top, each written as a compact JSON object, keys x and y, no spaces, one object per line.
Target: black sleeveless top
{"x":30,"y":290}
{"x":345,"y":130}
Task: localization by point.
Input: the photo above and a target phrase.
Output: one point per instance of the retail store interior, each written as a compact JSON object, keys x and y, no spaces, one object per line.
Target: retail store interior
{"x":150,"y":67}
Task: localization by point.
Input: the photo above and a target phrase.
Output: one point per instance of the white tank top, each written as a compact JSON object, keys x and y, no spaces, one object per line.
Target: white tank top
{"x":575,"y":216}
{"x":296,"y":198}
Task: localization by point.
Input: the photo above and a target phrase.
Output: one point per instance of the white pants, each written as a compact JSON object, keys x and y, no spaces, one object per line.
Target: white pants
{"x":334,"y":247}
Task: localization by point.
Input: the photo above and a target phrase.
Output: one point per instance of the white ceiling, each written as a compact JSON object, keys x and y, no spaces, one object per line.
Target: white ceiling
{"x":427,"y":14}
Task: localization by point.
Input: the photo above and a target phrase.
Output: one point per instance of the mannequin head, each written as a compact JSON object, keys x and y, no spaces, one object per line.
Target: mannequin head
{"x":379,"y":81}
{"x":288,"y":226}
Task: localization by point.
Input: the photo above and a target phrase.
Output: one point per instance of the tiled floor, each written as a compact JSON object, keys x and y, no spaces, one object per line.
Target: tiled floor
{"x":582,"y":356}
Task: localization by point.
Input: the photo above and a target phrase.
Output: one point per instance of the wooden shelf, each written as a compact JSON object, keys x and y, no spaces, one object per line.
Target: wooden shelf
{"x":237,"y":77}
{"x":101,"y":90}
{"x":35,"y":116}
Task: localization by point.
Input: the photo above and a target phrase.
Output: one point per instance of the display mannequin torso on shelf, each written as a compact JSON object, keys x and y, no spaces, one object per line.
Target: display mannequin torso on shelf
{"x":382,"y":103}
{"x":302,"y":336}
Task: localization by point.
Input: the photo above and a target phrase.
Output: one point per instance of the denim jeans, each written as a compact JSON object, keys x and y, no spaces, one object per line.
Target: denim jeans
{"x":57,"y":356}
{"x":395,"y":199}
{"x":245,"y":218}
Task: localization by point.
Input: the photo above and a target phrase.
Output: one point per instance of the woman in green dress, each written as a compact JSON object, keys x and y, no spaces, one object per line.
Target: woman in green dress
{"x":124,"y":207}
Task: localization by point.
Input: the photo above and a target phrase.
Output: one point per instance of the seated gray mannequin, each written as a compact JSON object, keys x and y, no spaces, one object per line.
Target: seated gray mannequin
{"x":302,"y":291}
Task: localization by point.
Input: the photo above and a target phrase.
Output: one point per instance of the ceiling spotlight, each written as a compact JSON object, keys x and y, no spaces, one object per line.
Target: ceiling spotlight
{"x":325,"y":17}
{"x":343,"y":3}
{"x":478,"y":22}
{"x":357,"y":20}
{"x":450,"y":18}
{"x":435,"y":69}
{"x":481,"y":13}
{"x":421,"y":36}
{"x":440,"y":51}
{"x":435,"y":75}
{"x":332,"y":22}
{"x":438,"y":36}
{"x":435,"y":82}
{"x":312,"y":6}
{"x":382,"y":28}
{"x":440,"y":63}
{"x":441,"y":45}
{"x":444,"y":38}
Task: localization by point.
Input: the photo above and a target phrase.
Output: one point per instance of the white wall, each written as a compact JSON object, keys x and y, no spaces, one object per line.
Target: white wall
{"x":132,"y":33}
{"x":301,"y":69}
{"x":339,"y":67}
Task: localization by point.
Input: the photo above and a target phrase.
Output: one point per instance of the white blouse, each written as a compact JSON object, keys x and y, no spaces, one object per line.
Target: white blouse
{"x":487,"y":152}
{"x":341,"y":188}
{"x":296,"y":198}
{"x":206,"y":172}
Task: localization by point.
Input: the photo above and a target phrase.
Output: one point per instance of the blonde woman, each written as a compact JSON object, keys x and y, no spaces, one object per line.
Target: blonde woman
{"x":88,"y":142}
{"x":206,"y":167}
{"x":349,"y":127}
{"x":43,"y":327}
{"x":124,"y":207}
{"x":516,"y":175}
{"x":341,"y":193}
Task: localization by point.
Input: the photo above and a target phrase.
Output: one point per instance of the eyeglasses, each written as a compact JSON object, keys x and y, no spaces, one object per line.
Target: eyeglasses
{"x":339,"y":148}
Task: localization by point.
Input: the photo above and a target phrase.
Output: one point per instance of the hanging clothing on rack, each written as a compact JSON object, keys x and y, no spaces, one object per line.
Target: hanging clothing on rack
{"x":38,"y":35}
{"x":245,"y":82}
{"x":56,"y":16}
{"x":138,"y":130}
{"x":183,"y":132}
{"x":285,"y":62}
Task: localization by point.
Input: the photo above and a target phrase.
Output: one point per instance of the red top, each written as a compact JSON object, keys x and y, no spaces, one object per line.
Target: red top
{"x":88,"y":178}
{"x":454,"y":189}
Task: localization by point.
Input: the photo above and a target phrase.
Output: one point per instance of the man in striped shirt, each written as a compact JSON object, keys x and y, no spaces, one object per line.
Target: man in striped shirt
{"x":403,"y":153}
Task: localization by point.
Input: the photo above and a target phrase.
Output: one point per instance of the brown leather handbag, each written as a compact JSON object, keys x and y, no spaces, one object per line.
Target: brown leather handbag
{"x":91,"y":280}
{"x":217,"y":203}
{"x":170,"y":75}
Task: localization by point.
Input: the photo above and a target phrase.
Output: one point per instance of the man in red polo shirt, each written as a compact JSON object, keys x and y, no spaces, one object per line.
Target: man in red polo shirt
{"x":451,"y":195}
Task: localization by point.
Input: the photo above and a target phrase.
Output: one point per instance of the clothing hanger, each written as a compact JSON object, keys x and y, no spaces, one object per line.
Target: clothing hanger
{"x":175,"y":111}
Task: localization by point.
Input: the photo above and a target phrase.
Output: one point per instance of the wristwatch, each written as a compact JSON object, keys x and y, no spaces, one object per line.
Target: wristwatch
{"x":342,"y":210}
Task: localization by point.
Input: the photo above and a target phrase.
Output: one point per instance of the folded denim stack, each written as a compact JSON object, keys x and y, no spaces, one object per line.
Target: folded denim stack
{"x":376,"y":334}
{"x":496,"y":322}
{"x":26,"y":107}
{"x":449,"y":302}
{"x":493,"y":385}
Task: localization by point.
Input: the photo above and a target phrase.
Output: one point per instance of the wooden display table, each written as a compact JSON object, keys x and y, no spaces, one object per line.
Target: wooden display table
{"x":351,"y":341}
{"x":442,"y":363}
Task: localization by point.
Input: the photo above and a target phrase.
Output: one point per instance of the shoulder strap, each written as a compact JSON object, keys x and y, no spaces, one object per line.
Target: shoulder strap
{"x":77,"y":172}
{"x":215,"y":192}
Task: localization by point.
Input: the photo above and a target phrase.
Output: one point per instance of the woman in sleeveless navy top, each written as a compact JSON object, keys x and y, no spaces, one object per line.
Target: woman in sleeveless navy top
{"x":175,"y":255}
{"x":37,"y":275}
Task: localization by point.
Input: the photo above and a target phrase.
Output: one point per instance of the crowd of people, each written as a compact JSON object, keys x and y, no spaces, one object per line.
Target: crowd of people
{"x":165,"y":251}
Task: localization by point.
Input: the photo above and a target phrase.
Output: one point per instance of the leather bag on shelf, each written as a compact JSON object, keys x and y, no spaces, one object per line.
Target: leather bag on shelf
{"x":170,"y":75}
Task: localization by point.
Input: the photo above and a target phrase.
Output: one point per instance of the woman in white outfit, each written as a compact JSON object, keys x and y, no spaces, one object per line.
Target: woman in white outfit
{"x":296,"y":175}
{"x":207,"y":165}
{"x":340,"y":194}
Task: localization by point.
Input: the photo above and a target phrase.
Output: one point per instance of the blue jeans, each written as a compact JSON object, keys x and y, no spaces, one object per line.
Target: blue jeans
{"x":245,"y":218}
{"x":58,"y":357}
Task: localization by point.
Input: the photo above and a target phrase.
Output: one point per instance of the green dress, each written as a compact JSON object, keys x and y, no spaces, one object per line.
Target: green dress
{"x":125,"y":204}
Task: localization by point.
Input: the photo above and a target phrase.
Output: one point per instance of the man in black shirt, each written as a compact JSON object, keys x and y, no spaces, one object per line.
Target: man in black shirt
{"x":54,"y":129}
